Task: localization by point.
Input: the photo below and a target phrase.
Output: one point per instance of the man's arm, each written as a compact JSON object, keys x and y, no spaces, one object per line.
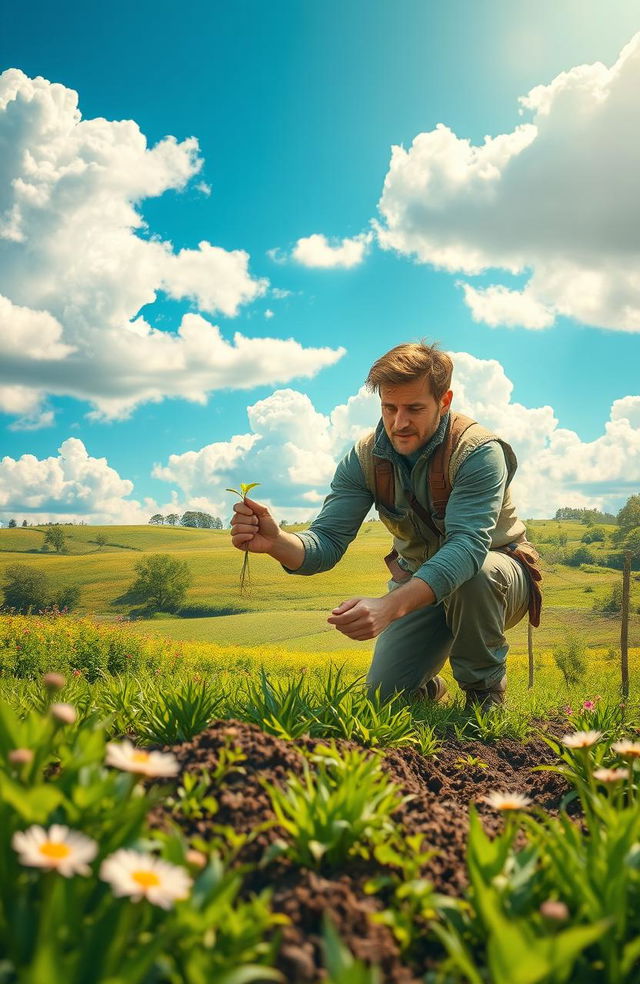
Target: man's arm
{"x":340,"y":518}
{"x":470,"y":519}
{"x":319,"y":548}
{"x":472,"y":512}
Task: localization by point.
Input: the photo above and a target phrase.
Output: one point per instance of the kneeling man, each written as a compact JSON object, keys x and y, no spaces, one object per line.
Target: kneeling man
{"x":462,"y":570}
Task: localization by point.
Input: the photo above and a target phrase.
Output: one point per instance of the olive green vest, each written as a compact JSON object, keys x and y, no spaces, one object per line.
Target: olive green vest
{"x":414,"y":541}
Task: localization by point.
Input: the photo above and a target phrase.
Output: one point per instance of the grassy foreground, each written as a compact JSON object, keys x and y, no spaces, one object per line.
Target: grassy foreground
{"x":93,"y":651}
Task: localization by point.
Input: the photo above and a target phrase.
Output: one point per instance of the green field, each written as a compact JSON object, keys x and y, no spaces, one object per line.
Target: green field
{"x":290,"y":611}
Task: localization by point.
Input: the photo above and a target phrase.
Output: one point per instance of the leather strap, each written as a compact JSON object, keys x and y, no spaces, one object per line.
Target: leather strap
{"x":439,"y":485}
{"x":529,"y":558}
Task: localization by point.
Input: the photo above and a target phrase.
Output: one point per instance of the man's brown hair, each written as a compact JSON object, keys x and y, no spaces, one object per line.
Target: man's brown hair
{"x":411,"y":361}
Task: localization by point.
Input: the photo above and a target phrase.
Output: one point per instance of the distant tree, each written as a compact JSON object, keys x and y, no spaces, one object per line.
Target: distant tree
{"x":25,"y":589}
{"x":200,"y":520}
{"x":12,"y":524}
{"x":172,"y":519}
{"x":594,"y":534}
{"x":189,"y":519}
{"x":157,"y":520}
{"x":101,"y":540}
{"x":629,"y":515}
{"x":283,"y":523}
{"x":162,"y":581}
{"x":55,"y":538}
{"x":632,"y":543}
{"x":585,"y":515}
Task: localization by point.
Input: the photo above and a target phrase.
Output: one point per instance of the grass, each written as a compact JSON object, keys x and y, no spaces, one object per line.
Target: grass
{"x":34,"y":645}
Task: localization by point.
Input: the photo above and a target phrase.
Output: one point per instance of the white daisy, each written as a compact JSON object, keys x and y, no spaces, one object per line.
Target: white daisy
{"x":581,"y":739}
{"x":65,"y":713}
{"x":507,"y":801}
{"x":145,"y":876}
{"x":58,"y":847}
{"x":627,"y":749}
{"x":611,"y":775}
{"x":123,"y":755}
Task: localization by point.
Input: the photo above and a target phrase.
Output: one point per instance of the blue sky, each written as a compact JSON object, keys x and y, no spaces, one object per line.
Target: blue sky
{"x":295,"y":107}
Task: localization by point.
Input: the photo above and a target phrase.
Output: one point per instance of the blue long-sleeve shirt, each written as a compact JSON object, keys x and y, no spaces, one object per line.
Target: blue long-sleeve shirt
{"x":471,"y":515}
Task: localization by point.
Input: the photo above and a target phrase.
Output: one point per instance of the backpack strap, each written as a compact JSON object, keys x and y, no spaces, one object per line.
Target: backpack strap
{"x":439,"y":483}
{"x":385,"y":483}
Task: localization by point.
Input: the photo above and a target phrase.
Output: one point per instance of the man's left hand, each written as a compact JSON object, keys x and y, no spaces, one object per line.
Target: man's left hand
{"x":362,"y":618}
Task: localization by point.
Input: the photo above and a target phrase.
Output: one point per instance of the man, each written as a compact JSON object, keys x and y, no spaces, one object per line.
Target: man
{"x":462,"y":570}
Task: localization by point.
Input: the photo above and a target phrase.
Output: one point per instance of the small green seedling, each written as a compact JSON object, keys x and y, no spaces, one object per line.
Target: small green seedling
{"x":469,"y":762}
{"x":245,"y":582}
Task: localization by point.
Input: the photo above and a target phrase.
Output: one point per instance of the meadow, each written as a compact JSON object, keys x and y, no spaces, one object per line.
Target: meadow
{"x":289,"y":611}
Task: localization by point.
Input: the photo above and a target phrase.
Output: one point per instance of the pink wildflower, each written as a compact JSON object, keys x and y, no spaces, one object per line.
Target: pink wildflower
{"x":588,"y":705}
{"x":552,"y":909}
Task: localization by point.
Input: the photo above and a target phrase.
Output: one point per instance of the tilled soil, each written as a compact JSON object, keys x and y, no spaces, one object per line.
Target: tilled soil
{"x":441,"y":791}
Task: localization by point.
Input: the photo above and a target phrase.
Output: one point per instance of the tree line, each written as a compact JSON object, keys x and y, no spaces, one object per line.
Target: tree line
{"x":195,"y":520}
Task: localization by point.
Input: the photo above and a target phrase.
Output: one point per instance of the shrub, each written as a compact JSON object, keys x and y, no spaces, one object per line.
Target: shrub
{"x":570,"y":658}
{"x":611,"y":604}
{"x":581,"y":556}
{"x":26,"y":589}
{"x":68,"y":598}
{"x":162,"y":581}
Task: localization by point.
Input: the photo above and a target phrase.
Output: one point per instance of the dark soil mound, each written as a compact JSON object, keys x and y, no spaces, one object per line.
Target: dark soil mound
{"x":442,"y":789}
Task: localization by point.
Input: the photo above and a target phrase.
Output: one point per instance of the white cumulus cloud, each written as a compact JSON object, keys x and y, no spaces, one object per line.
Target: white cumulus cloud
{"x":68,"y":487}
{"x":77,"y":264}
{"x":497,"y":305}
{"x":556,"y":198}
{"x":317,"y":251}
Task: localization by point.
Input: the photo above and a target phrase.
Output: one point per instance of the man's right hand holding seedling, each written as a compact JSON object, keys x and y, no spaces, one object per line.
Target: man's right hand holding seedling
{"x":253,"y":528}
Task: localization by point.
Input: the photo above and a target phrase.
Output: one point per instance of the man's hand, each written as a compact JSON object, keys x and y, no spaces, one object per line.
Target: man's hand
{"x":361,"y":618}
{"x":253,"y":528}
{"x":366,"y":618}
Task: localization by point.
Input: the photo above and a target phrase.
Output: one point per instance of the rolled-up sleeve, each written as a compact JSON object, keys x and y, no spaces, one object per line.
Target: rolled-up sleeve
{"x":340,"y":518}
{"x":470,"y":519}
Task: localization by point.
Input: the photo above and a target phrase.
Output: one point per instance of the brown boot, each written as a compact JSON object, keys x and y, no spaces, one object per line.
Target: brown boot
{"x":493,"y":696}
{"x":433,"y":690}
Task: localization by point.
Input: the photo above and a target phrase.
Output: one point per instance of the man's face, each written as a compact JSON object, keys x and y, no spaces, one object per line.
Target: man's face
{"x":411,"y":414}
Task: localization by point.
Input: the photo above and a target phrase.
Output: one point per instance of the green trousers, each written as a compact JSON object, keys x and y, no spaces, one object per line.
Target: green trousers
{"x":467,"y":628}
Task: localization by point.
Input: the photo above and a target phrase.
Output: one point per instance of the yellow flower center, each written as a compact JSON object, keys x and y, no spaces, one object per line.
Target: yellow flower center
{"x":140,"y":757}
{"x":146,"y":879}
{"x":55,"y":850}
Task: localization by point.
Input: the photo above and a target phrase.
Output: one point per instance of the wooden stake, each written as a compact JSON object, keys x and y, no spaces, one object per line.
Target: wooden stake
{"x":530,"y":644}
{"x":624,"y":628}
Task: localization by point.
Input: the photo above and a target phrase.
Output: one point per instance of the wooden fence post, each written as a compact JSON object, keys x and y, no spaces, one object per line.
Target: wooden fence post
{"x":624,"y":628}
{"x":530,"y":645}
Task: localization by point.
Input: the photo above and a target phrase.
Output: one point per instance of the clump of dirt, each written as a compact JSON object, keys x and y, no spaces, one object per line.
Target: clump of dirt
{"x":441,"y":786}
